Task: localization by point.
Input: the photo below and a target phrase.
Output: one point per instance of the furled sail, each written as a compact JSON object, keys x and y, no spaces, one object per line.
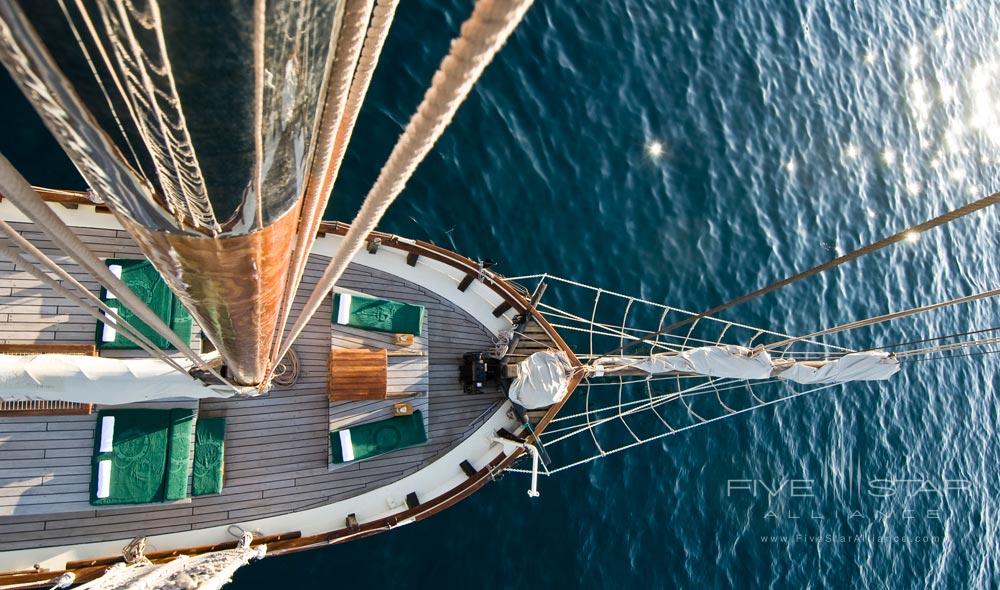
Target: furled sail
{"x":195,"y":123}
{"x":856,"y":366}
{"x":542,"y":380}
{"x":85,"y":379}
{"x":733,"y":362}
{"x":740,"y":362}
{"x":207,"y":571}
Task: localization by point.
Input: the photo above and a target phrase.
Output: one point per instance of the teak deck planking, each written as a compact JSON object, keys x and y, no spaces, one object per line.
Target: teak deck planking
{"x":277,"y":450}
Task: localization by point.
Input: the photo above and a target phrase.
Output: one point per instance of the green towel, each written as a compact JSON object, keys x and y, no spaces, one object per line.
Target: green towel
{"x":178,"y":455}
{"x":138,"y":455}
{"x":209,"y":456}
{"x":377,"y":438}
{"x":180,"y":320}
{"x":382,"y":315}
{"x":143,"y":279}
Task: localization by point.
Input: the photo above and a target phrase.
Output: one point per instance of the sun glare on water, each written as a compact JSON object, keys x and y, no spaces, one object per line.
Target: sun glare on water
{"x":655,"y":149}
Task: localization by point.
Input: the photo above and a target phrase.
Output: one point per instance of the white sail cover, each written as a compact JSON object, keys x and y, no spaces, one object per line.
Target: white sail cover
{"x":734,"y":362}
{"x":739,"y":362}
{"x":856,"y":366}
{"x":208,"y":571}
{"x":89,"y":379}
{"x":542,"y":380}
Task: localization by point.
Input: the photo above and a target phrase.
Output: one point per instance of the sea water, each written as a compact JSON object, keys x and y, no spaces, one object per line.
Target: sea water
{"x":688,"y":151}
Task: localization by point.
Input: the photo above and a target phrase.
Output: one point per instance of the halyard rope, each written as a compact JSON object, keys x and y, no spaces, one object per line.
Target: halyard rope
{"x":481,"y":37}
{"x":341,"y":83}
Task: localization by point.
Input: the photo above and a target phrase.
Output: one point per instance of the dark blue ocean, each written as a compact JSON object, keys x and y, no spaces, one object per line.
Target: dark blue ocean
{"x":788,"y":132}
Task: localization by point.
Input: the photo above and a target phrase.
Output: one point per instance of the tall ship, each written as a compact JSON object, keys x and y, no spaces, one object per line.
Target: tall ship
{"x":197,"y":370}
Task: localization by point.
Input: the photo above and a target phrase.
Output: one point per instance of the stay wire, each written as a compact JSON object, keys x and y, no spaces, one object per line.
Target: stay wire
{"x":900,"y":236}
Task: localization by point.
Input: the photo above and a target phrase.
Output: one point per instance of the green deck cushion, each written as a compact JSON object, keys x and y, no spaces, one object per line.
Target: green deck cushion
{"x":209,"y":456}
{"x":143,"y":279}
{"x":175,"y":485}
{"x":377,"y":438}
{"x":382,"y":315}
{"x":138,"y":455}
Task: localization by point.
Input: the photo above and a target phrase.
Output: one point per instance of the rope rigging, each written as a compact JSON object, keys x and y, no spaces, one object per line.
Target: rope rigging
{"x":953,"y":356}
{"x":147,"y":88}
{"x":554,"y":312}
{"x":673,"y":431}
{"x":481,"y":37}
{"x":104,"y":90}
{"x":145,"y":81}
{"x":96,"y":308}
{"x":14,"y":187}
{"x":889,"y":316}
{"x":967,"y":209}
{"x":949,"y":347}
{"x":123,"y":47}
{"x":616,"y":411}
{"x":568,"y":426}
{"x":359,"y":45}
{"x":936,"y":338}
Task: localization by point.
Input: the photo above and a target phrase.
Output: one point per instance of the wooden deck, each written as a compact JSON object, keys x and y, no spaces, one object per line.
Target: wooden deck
{"x":277,"y":451}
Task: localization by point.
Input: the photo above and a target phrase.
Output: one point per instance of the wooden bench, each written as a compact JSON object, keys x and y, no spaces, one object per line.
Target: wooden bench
{"x":46,"y":348}
{"x":10,"y":409}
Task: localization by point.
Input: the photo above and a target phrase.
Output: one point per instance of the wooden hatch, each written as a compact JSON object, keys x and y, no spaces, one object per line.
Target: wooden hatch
{"x":357,"y":374}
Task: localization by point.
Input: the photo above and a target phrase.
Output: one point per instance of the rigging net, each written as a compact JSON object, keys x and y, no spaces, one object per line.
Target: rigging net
{"x":618,"y":410}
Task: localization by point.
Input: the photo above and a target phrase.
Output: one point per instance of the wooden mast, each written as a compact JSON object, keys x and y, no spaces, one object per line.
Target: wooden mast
{"x":230,"y":272}
{"x":231,"y":284}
